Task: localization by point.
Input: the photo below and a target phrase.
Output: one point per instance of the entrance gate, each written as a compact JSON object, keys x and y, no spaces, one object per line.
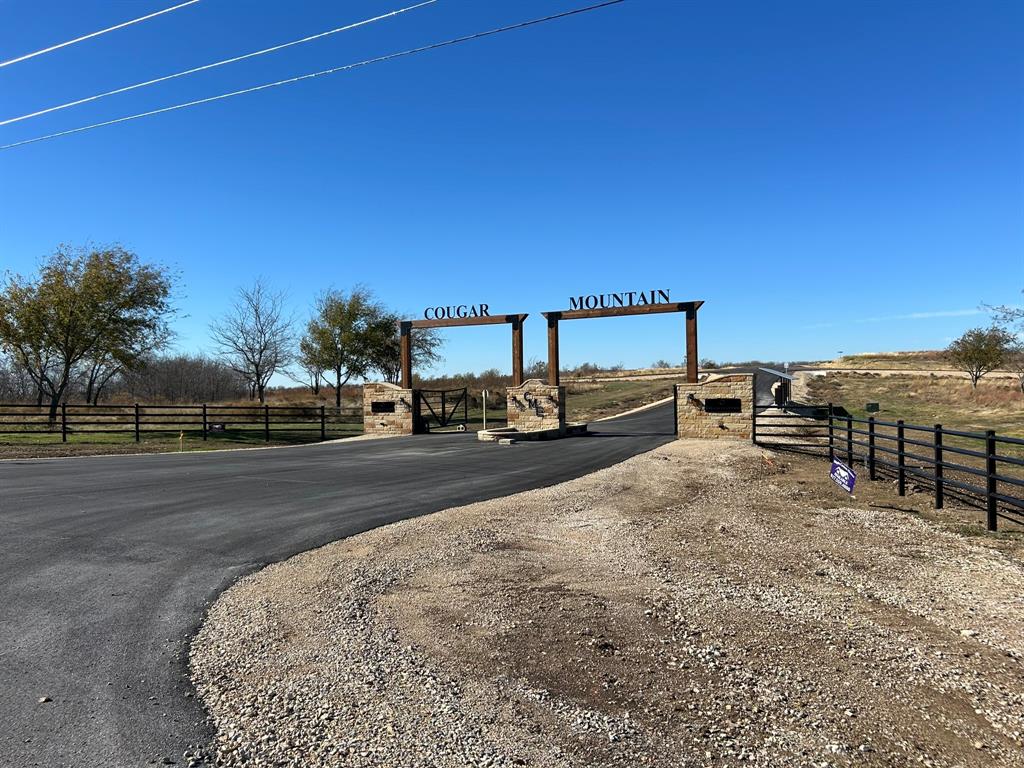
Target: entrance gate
{"x":439,"y":408}
{"x":689,"y":307}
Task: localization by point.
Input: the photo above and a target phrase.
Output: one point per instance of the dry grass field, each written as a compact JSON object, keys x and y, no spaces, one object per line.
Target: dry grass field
{"x":996,"y":403}
{"x":921,"y":360}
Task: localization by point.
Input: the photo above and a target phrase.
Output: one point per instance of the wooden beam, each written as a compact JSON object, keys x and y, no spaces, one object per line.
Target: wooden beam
{"x":553,"y":373}
{"x":455,"y":322}
{"x":640,"y":309}
{"x":691,"y":345}
{"x":517,"y":352}
{"x":405,"y":355}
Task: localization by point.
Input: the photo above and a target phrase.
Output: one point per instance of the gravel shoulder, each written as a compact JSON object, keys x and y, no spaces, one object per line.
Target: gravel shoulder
{"x":707,"y":603}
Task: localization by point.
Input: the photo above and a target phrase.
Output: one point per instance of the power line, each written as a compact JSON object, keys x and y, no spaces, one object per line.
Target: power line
{"x":96,"y":34}
{"x":216,"y":63}
{"x":365,"y":62}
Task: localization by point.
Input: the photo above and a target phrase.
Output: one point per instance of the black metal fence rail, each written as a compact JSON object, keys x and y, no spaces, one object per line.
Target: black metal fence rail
{"x":978,"y":468}
{"x":138,"y":419}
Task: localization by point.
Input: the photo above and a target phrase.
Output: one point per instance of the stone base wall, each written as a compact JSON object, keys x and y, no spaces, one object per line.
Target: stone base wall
{"x":397,"y":422}
{"x":535,"y":405}
{"x":694,"y":420}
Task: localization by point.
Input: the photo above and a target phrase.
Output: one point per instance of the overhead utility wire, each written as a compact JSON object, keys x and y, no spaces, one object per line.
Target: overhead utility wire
{"x":216,"y":64}
{"x":97,"y":34}
{"x":365,"y":62}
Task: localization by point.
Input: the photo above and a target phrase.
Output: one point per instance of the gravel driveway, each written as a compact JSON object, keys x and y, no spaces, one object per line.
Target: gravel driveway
{"x":705,"y":604}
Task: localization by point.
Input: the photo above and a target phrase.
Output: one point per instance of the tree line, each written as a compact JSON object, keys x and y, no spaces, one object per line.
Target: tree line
{"x":95,"y":322}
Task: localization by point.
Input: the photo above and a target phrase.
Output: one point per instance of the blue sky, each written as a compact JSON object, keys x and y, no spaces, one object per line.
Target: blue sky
{"x":825,"y":176}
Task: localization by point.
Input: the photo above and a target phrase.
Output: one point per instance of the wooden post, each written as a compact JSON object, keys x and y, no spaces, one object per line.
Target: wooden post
{"x":939,"y":495}
{"x":675,"y":410}
{"x":831,"y":435}
{"x":266,"y":422}
{"x":553,"y":365}
{"x":517,"y":352}
{"x":849,"y":441}
{"x":205,"y":422}
{"x":405,"y":329}
{"x":63,"y":422}
{"x":901,"y":460}
{"x":323,"y":423}
{"x":691,"y":345}
{"x":137,"y":437}
{"x":990,"y":486}
{"x":871,"y":447}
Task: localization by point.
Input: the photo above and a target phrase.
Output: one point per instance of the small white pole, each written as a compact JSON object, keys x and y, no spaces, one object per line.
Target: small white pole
{"x":484,"y":392}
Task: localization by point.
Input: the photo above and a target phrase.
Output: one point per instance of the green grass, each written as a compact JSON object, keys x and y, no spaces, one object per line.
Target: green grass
{"x":24,"y":444}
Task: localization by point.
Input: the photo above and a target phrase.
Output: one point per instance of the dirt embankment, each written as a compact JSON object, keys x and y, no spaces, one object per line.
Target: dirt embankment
{"x":706,"y":604}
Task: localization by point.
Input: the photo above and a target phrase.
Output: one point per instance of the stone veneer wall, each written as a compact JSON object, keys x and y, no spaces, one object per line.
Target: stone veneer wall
{"x":693,"y":421}
{"x":398,"y":423}
{"x":536,"y":405}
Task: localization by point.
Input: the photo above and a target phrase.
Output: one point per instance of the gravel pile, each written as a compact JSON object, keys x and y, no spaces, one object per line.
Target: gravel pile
{"x":704,"y":604}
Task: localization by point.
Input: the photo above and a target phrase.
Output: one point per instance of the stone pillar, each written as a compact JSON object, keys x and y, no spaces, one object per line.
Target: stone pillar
{"x":536,"y":405}
{"x":387,"y":409}
{"x":718,"y":407}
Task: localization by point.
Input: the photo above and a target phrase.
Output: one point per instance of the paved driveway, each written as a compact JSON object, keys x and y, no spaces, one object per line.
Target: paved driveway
{"x":108,"y":563}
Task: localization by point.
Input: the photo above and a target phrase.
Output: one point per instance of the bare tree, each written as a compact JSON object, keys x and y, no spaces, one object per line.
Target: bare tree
{"x":1015,"y":361}
{"x":183,"y":379}
{"x":980,"y":351}
{"x":16,"y":386}
{"x":255,"y":337}
{"x":310,"y":373}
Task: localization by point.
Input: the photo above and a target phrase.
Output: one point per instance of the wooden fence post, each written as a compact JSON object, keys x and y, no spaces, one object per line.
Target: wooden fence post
{"x":266,"y":422}
{"x":849,"y":441}
{"x":64,"y":422}
{"x":323,"y":423}
{"x":901,"y":461}
{"x":137,"y":426}
{"x":939,"y":490}
{"x":871,"y":448}
{"x":831,"y":436}
{"x":990,"y":471}
{"x":205,"y":424}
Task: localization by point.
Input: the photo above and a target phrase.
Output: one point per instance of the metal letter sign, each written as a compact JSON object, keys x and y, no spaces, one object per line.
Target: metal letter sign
{"x":842,"y":476}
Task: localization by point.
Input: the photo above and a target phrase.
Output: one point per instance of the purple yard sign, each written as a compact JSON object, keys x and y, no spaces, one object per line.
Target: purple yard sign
{"x":842,"y":475}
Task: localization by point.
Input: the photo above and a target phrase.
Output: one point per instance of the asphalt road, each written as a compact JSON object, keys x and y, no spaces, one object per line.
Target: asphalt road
{"x":107,"y":564}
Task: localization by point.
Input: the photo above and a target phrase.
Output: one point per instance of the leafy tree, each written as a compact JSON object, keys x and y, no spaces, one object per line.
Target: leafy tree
{"x":85,"y":305}
{"x":980,"y":350}
{"x":255,"y":336}
{"x":340,"y":337}
{"x":387,"y":347}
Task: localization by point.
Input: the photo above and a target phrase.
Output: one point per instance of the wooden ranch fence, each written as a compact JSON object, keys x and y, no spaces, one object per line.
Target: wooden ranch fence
{"x":138,"y":419}
{"x":979,"y":468}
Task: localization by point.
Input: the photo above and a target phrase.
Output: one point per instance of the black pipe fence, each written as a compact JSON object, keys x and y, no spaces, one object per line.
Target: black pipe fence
{"x":981,"y":469}
{"x":138,"y":419}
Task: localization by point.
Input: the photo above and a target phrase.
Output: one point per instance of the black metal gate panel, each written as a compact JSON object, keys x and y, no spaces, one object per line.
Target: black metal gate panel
{"x":441,"y":408}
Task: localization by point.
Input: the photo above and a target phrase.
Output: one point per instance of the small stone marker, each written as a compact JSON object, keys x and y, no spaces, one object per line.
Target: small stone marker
{"x":842,"y":476}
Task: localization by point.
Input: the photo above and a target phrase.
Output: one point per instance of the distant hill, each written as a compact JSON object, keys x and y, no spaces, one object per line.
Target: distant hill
{"x":921,"y":360}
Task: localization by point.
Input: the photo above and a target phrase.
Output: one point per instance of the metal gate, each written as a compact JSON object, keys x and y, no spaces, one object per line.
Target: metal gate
{"x":441,"y":408}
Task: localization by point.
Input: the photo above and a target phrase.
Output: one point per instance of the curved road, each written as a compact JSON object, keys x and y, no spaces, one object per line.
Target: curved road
{"x":107,"y":564}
